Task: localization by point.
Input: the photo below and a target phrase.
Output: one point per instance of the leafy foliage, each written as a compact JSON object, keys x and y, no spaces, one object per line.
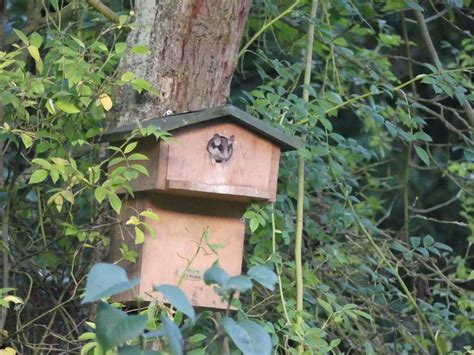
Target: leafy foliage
{"x":388,"y":198}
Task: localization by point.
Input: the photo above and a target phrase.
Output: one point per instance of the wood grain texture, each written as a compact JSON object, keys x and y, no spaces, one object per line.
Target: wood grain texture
{"x":182,"y":221}
{"x":246,"y":173}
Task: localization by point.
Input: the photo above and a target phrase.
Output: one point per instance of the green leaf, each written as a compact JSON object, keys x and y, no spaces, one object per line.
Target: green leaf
{"x":173,"y":335}
{"x":87,"y":336}
{"x":27,"y":140}
{"x":36,"y":56}
{"x":115,"y":201}
{"x":140,"y":169}
{"x":21,"y":36}
{"x":34,"y":53}
{"x":88,"y":347}
{"x":177,"y":298}
{"x":264,"y":276}
{"x":253,"y":224}
{"x":67,"y":107}
{"x":137,"y":156}
{"x":428,"y":241}
{"x":106,"y":280}
{"x":442,"y":246}
{"x":238,"y":283}
{"x":78,"y":41}
{"x":248,"y":336}
{"x":326,"y":306}
{"x":130,"y":147}
{"x":139,"y":236}
{"x":100,"y":193}
{"x":142,"y":50}
{"x":415,"y":242}
{"x":422,"y":136}
{"x":422,"y":155}
{"x":128,"y":76}
{"x":150,"y":214}
{"x":115,"y":327}
{"x":215,"y":275}
{"x":326,"y":123}
{"x":362,"y":314}
{"x":196,"y":338}
{"x":36,"y":40}
{"x":38,"y":176}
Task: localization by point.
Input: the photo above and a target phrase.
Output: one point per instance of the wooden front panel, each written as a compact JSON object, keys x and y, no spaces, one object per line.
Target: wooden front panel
{"x":164,"y":259}
{"x":249,"y":172}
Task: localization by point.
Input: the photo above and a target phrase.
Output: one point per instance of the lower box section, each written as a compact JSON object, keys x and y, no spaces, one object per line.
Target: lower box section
{"x":191,"y":234}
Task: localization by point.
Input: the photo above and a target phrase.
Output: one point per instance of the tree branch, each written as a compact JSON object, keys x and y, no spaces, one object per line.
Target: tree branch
{"x":434,"y":57}
{"x":104,"y":10}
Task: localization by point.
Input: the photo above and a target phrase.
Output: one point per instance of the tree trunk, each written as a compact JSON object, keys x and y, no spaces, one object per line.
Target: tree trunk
{"x":193,"y":48}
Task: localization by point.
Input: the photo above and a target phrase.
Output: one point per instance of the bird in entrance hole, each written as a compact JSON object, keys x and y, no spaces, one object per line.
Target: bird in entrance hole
{"x":220,"y":148}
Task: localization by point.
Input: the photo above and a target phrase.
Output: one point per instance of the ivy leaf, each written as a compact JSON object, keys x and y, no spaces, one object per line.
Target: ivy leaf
{"x":422,"y":155}
{"x":264,"y":276}
{"x":67,"y":107}
{"x":106,"y":280}
{"x":115,"y":327}
{"x":177,"y":298}
{"x":173,"y":336}
{"x":38,"y":176}
{"x":248,"y":336}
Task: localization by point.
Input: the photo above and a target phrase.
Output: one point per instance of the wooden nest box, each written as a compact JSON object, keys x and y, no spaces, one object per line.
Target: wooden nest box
{"x":218,"y":161}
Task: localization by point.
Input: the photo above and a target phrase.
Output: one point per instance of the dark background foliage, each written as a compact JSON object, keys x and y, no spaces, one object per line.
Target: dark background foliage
{"x":388,"y":176}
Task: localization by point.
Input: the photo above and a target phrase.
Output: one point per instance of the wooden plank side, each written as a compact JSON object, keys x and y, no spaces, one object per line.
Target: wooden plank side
{"x":224,"y":190}
{"x":273,"y":179}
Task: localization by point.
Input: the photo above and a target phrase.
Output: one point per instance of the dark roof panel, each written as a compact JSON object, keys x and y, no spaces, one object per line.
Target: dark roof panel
{"x":172,"y":122}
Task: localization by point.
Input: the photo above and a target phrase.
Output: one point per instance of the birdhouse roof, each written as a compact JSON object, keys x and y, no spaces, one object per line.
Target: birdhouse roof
{"x":176,"y":121}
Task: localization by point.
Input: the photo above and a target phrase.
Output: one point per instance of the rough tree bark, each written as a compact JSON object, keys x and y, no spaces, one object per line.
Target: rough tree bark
{"x":193,"y":48}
